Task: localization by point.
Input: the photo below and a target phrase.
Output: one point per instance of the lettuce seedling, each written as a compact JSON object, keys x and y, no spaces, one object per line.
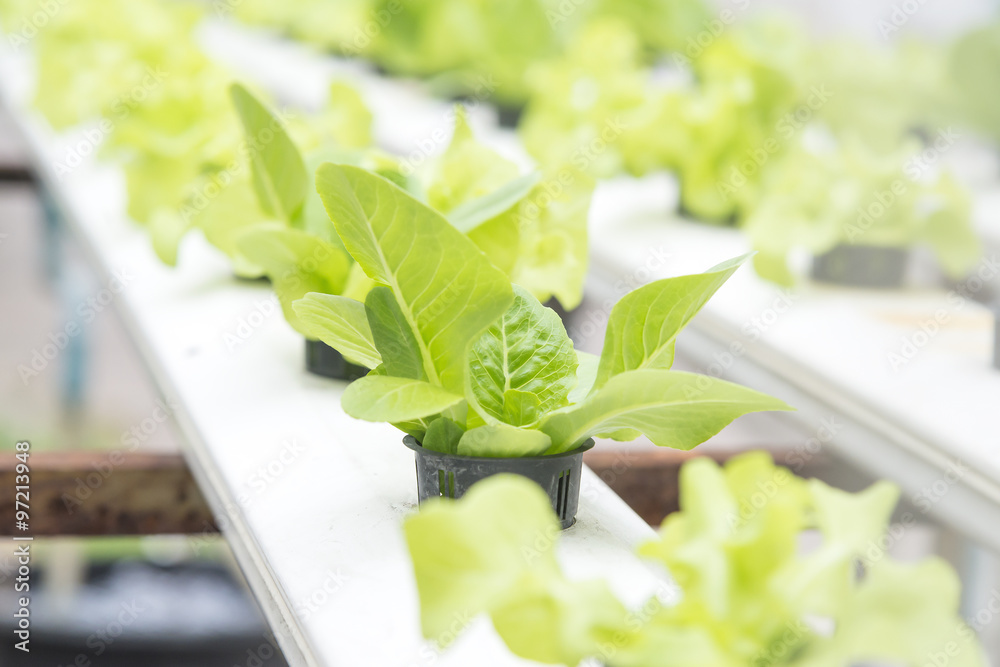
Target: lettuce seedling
{"x":473,"y":50}
{"x":602,"y":93}
{"x":283,"y":228}
{"x":468,"y":363}
{"x":103,"y":58}
{"x":531,"y":226}
{"x":133,"y":71}
{"x":881,"y":199}
{"x":748,"y":594}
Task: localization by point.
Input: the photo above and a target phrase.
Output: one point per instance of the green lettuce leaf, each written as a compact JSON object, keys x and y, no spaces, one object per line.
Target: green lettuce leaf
{"x":296,"y":262}
{"x":279,"y":174}
{"x":881,"y":198}
{"x":469,"y":556}
{"x":532,"y":226}
{"x":503,"y":441}
{"x":729,"y":549}
{"x":394,"y":339}
{"x":443,"y":435}
{"x":525,"y":350}
{"x":380,"y":398}
{"x":973,"y":67}
{"x":586,"y":376}
{"x":435,"y":272}
{"x":471,"y":214}
{"x":901,"y":613}
{"x":644,"y":324}
{"x":672,"y":408}
{"x":224,"y":218}
{"x":341,"y":323}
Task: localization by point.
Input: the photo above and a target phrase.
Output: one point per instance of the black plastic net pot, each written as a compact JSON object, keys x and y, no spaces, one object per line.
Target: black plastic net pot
{"x":450,"y":475}
{"x":323,"y":360}
{"x":509,"y":116}
{"x":862,"y":266}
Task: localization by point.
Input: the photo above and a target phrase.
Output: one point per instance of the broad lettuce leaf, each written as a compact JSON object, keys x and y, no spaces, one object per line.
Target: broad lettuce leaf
{"x":443,"y":435}
{"x":527,"y":352}
{"x":380,"y":398}
{"x":446,"y":289}
{"x":672,"y":408}
{"x":341,"y":323}
{"x":471,"y":214}
{"x":296,"y":262}
{"x":503,"y":441}
{"x":586,"y":376}
{"x":644,"y":324}
{"x":279,"y":174}
{"x":393,"y":337}
{"x":974,"y":67}
{"x":531,"y":226}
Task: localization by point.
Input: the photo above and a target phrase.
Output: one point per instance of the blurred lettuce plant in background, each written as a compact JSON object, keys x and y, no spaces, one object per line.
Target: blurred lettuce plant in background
{"x":749,"y":593}
{"x":823,"y":193}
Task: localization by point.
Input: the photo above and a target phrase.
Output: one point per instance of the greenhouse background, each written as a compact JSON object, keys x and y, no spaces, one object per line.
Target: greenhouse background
{"x":632,"y":333}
